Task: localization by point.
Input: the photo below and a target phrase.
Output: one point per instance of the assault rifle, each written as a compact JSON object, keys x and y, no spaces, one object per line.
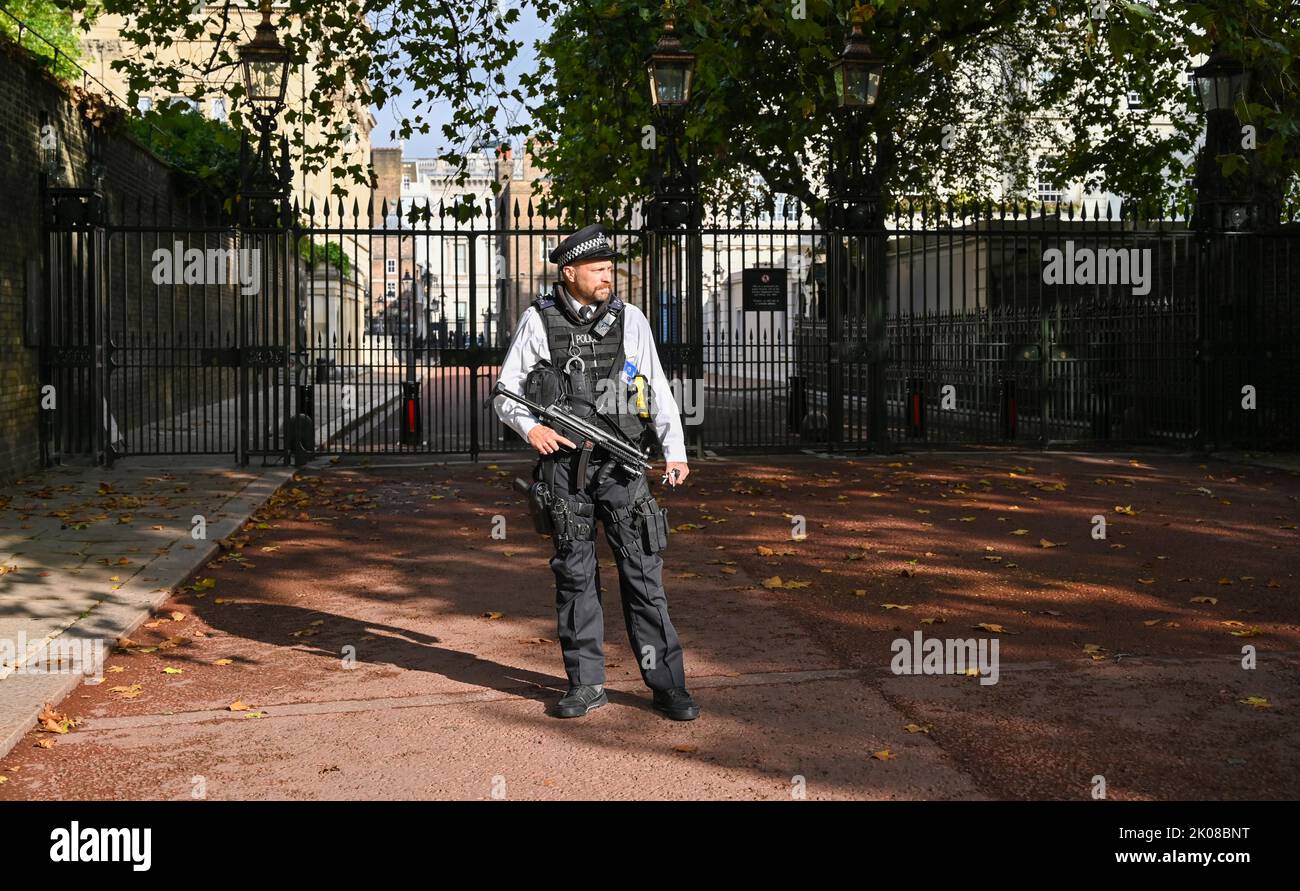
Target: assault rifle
{"x":628,"y":456}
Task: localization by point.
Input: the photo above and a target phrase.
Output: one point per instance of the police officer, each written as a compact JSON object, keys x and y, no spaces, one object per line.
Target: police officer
{"x":583,"y":343}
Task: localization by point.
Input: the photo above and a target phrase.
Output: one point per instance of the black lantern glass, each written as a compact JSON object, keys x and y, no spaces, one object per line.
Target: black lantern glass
{"x":1220,"y":82}
{"x":265,"y":64}
{"x":670,"y":68}
{"x":857,"y":73}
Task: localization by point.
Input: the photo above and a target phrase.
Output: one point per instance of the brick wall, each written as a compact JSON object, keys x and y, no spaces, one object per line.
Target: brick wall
{"x":133,"y":309}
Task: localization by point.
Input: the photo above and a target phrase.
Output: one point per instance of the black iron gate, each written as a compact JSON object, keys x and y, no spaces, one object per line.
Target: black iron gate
{"x":171,"y":330}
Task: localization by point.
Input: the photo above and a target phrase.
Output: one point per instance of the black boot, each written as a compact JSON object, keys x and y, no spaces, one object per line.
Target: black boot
{"x":676,"y":704}
{"x":580,"y":699}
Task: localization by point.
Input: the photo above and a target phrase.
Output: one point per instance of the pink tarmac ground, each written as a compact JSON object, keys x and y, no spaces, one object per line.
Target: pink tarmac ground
{"x":1107,"y":666}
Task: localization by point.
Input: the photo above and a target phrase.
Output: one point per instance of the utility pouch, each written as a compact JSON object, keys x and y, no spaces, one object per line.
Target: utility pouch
{"x":545,"y":384}
{"x":652,"y":522}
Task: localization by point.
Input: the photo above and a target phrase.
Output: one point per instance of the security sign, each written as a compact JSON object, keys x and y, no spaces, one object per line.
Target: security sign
{"x":763,"y":289}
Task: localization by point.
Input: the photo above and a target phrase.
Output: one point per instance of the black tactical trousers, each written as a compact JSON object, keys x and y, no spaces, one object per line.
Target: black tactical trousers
{"x":581,"y":620}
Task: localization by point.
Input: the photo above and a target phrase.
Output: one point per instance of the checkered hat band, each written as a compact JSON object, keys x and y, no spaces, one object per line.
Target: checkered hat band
{"x":582,"y":247}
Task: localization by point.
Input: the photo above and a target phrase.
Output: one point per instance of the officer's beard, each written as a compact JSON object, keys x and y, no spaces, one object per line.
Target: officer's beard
{"x":596,"y":297}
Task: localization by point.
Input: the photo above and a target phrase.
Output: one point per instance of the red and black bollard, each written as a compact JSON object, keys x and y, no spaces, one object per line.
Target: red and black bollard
{"x":1009,"y":411}
{"x":916,"y":407}
{"x":412,"y":425}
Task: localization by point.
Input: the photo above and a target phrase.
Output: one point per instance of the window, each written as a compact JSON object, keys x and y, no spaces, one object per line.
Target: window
{"x":390,"y":290}
{"x":390,"y":267}
{"x":145,"y":103}
{"x":1135,"y":100}
{"x":406,"y":181}
{"x":218,"y":109}
{"x":460,"y":257}
{"x":1048,"y":190}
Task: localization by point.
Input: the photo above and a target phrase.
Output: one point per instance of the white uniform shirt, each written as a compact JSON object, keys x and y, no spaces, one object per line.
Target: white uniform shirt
{"x":529,"y":346}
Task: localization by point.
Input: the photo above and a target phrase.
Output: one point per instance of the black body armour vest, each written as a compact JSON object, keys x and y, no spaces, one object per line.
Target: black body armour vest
{"x":599,"y":344}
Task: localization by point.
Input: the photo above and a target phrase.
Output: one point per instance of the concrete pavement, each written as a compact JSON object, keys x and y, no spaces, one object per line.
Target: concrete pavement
{"x":89,"y":552}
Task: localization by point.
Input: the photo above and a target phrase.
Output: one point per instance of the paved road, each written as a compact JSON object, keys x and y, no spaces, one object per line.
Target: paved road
{"x":1108,"y":668}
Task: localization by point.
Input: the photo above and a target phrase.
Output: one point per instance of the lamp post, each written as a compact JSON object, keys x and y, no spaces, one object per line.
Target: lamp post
{"x":855,"y":255}
{"x":674,"y":248}
{"x":1221,"y":203}
{"x":1224,"y":203}
{"x":671,"y":70}
{"x":265,"y":65}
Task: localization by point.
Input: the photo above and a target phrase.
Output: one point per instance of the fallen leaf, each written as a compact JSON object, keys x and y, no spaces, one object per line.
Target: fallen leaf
{"x":1044,"y":543}
{"x":896,"y":606}
{"x":1210,"y":600}
{"x":170,"y":670}
{"x":1256,"y":702}
{"x":884,"y":755}
{"x":775,"y":582}
{"x":52,"y":721}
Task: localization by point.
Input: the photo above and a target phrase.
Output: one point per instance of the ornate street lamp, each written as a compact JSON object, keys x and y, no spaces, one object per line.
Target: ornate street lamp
{"x":1220,"y":82}
{"x":265,"y":65}
{"x":853,"y":304}
{"x":857,"y":77}
{"x":857,"y":73}
{"x":1222,"y":203}
{"x":671,"y":68}
{"x":672,"y":217}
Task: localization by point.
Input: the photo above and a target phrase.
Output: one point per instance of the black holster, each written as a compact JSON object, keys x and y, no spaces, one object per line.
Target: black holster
{"x":539,"y":505}
{"x":573,"y":520}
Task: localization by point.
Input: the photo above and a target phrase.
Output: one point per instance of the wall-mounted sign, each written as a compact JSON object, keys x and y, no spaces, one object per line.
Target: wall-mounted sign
{"x":763,"y":289}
